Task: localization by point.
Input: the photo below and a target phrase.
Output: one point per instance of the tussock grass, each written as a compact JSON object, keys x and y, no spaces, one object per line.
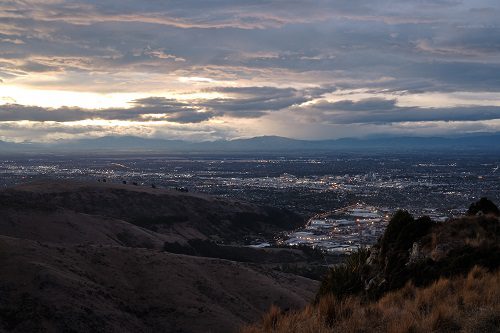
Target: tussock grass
{"x":345,"y":279}
{"x":468,"y":303}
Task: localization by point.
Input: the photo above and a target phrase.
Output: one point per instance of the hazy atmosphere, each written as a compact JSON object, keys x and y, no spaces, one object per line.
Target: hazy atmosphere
{"x":225,"y":69}
{"x":251,"y":166}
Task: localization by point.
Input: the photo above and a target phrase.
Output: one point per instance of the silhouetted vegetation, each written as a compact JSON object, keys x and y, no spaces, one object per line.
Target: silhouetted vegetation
{"x":422,"y":276}
{"x":462,"y":304}
{"x":207,"y":248}
{"x":311,"y":271}
{"x":402,"y":231}
{"x":347,"y":278}
{"x":259,"y":221}
{"x":446,"y":249}
{"x":285,"y":260}
{"x":175,"y":247}
{"x":485,"y":206}
{"x":313,"y":253}
{"x":458,"y":262}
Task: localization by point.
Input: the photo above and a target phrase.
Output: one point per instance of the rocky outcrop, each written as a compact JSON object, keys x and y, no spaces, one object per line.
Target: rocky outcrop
{"x":422,"y":251}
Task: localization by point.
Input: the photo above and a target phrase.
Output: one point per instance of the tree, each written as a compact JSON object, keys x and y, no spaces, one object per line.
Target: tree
{"x":485,"y":206}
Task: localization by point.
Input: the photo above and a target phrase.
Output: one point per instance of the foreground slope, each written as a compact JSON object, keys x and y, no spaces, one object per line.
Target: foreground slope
{"x":460,"y":304}
{"x":421,"y":276}
{"x":91,"y":257}
{"x":49,"y":287}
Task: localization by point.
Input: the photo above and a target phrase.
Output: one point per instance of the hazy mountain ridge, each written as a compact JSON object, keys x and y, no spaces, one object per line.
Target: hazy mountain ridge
{"x":257,"y":144}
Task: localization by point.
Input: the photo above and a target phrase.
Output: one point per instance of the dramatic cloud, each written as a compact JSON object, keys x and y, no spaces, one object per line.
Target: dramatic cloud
{"x":249,"y":102}
{"x":255,"y":101}
{"x":248,"y":63}
{"x":382,"y":111}
{"x":158,"y":112}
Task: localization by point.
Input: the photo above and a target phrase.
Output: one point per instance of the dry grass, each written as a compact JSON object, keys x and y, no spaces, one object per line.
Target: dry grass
{"x":461,"y":304}
{"x":472,"y":231}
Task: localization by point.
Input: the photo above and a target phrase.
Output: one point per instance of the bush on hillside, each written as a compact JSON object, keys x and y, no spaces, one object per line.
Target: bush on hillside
{"x":403,"y":230}
{"x":450,"y":248}
{"x":485,"y":206}
{"x":347,"y":278}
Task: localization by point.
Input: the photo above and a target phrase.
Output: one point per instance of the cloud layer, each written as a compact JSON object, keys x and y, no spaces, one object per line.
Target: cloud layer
{"x":257,"y":67}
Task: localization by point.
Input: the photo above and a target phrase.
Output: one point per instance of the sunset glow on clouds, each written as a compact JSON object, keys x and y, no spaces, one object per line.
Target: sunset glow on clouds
{"x":205,"y":70}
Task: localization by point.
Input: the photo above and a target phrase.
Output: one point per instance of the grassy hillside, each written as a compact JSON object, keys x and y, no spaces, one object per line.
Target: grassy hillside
{"x":47,"y":287}
{"x":459,"y":304}
{"x":421,"y":276}
{"x":181,"y":216}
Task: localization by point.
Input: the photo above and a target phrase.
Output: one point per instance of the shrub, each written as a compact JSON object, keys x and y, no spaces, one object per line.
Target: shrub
{"x":393,"y":232}
{"x":347,"y":278}
{"x":483,"y":205}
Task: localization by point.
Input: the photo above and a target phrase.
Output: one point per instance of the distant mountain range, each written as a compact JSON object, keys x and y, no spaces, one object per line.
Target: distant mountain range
{"x":490,"y":141}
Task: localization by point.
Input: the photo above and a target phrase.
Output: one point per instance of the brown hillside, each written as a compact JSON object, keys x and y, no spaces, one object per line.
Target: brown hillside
{"x":462,"y":304}
{"x":68,"y":227}
{"x":81,"y":258}
{"x":172,"y":213}
{"x":116,"y":289}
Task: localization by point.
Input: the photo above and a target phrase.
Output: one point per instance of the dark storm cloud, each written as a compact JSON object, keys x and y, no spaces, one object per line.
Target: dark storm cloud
{"x":380,"y":111}
{"x":247,"y":102}
{"x":244,"y":102}
{"x":453,"y":76}
{"x":15,"y":112}
{"x":151,"y":109}
{"x":175,"y":112}
{"x":252,"y":102}
{"x":368,"y":104}
{"x":160,"y":103}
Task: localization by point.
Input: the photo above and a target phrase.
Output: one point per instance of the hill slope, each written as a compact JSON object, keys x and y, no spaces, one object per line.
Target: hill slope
{"x":50,"y":287}
{"x":460,"y":304}
{"x":90,"y":257}
{"x":179,"y":216}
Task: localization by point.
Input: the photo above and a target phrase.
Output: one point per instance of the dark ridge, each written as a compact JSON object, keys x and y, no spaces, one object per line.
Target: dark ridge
{"x":419,"y":251}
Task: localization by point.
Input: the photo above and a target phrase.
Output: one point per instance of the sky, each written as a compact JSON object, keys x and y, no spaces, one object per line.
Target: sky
{"x":223,"y":69}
